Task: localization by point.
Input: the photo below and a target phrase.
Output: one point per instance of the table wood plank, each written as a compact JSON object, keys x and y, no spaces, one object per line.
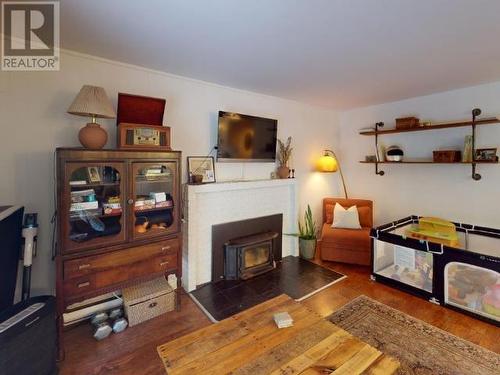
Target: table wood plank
{"x":250,"y":343}
{"x":279,"y":355}
{"x":229,"y":357}
{"x":314,"y":354}
{"x":359,"y":362}
{"x":383,"y":365}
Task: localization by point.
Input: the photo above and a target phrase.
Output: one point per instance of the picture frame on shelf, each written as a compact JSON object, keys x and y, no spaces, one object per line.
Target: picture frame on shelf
{"x":93,"y":175}
{"x":201,"y":169}
{"x":486,"y":154}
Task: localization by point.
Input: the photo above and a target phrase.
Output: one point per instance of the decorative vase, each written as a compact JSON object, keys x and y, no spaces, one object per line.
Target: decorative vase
{"x":307,"y":248}
{"x":92,"y":136}
{"x":283,"y":172}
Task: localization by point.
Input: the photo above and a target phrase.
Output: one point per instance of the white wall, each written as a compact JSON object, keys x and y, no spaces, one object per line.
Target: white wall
{"x":34,"y":122}
{"x":446,"y":191}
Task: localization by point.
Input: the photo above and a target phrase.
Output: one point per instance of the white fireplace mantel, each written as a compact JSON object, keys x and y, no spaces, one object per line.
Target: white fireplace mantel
{"x":217,"y":203}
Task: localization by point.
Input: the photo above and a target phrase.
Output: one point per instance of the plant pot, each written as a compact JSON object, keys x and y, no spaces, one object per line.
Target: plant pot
{"x":283,"y":172}
{"x":307,"y":248}
{"x":92,"y":136}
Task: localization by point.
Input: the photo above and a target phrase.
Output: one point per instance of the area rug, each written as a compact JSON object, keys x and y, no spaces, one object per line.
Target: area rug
{"x":420,"y":347}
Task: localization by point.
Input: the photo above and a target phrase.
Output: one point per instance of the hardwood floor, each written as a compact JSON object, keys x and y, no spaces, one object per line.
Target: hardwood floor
{"x":134,"y":351}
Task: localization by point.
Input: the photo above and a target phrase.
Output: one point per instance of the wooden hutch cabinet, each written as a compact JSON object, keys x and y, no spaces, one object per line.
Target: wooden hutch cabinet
{"x":118,"y":215}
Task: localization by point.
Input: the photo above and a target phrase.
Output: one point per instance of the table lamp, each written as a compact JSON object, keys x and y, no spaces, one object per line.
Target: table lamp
{"x":93,"y":102}
{"x":328,"y":163}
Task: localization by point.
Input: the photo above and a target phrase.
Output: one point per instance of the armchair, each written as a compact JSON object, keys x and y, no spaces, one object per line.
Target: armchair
{"x":347,"y":245}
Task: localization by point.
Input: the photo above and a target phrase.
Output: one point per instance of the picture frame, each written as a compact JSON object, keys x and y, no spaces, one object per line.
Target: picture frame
{"x":93,"y":175}
{"x":203,"y":166}
{"x":486,"y":154}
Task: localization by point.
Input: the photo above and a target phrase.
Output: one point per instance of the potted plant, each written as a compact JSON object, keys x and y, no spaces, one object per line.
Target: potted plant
{"x":284,"y":153}
{"x":307,"y":236}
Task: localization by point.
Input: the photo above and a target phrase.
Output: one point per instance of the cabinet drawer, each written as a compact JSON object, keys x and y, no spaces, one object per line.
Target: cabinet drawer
{"x":127,"y":272}
{"x":117,"y":259}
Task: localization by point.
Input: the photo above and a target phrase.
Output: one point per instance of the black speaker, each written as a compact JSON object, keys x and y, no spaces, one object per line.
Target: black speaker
{"x":28,"y":338}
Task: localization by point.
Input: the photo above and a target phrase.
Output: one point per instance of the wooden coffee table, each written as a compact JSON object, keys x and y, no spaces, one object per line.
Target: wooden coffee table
{"x":250,"y":343}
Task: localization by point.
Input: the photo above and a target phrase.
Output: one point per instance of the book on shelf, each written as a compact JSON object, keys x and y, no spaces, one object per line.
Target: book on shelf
{"x":78,"y":214}
{"x":144,"y":204}
{"x":159,"y":196}
{"x":111,"y":205}
{"x":78,"y":182}
{"x":165,"y":204}
{"x":112,"y":208}
{"x":79,"y":196}
{"x":112,"y":211}
{"x":84,"y":206}
{"x":153,"y":171}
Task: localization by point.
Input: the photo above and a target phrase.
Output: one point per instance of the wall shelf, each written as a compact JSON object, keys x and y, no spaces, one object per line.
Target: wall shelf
{"x":459,"y":124}
{"x":377,"y":131}
{"x":428,"y":162}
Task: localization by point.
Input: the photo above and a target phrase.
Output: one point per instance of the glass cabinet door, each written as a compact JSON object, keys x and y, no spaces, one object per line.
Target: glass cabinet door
{"x":95,"y":201}
{"x":154,"y":199}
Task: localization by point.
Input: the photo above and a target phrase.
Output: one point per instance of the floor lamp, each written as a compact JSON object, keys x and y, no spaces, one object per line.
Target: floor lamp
{"x":329,"y":163}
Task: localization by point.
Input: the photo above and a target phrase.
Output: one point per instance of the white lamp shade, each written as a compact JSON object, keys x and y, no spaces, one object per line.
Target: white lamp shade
{"x":92,"y":101}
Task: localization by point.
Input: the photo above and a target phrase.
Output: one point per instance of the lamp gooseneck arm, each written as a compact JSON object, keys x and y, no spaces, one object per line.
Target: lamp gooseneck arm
{"x":340,"y":171}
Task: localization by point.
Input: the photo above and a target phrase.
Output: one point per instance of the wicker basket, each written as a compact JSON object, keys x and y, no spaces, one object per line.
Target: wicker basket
{"x":148,"y":300}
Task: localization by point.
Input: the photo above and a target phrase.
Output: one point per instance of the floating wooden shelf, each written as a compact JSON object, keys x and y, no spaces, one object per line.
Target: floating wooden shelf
{"x":377,"y":131}
{"x":447,"y":125}
{"x":428,"y":162}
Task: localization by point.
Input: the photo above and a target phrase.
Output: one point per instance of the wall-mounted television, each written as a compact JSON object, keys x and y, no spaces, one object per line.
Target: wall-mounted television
{"x":246,"y":138}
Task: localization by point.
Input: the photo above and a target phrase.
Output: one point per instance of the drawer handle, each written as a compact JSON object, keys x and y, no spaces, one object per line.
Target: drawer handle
{"x":83,"y":285}
{"x":163,"y":263}
{"x":152,"y":304}
{"x":165,"y":248}
{"x":83,"y":266}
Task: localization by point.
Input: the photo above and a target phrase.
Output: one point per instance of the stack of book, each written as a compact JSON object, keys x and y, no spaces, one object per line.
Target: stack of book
{"x":283,"y":320}
{"x":112,"y":206}
{"x":144,"y":203}
{"x":161,"y":200}
{"x":158,"y":173}
{"x":83,"y":200}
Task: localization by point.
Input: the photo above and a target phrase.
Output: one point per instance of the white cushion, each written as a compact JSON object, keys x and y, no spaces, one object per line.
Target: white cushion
{"x":347,"y":219}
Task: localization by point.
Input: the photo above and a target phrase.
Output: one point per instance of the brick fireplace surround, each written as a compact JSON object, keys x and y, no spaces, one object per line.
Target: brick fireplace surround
{"x":218,"y":203}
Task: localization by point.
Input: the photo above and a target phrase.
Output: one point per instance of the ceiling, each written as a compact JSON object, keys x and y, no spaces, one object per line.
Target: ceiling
{"x":334,"y":53}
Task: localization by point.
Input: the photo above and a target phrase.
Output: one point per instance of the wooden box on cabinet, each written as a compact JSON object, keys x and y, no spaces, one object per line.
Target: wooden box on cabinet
{"x":108,"y":238}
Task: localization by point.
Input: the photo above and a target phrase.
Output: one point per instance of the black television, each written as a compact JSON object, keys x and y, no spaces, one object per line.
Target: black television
{"x":244,"y":138}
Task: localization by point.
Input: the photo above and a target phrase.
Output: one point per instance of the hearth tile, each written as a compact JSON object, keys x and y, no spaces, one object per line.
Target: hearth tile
{"x":293,"y":276}
{"x":226,"y":284}
{"x":226,"y":313}
{"x":295,"y":287}
{"x":216,"y":302}
{"x":206,"y":291}
{"x":263,"y":283}
{"x":239,"y":294}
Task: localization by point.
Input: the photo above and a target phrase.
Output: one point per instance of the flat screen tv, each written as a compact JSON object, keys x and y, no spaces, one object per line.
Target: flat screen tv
{"x":246,"y":138}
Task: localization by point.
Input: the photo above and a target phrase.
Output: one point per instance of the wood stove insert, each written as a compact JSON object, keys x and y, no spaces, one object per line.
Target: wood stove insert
{"x":249,"y":256}
{"x":224,"y":233}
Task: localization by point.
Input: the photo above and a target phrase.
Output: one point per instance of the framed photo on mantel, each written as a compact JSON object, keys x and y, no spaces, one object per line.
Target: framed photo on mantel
{"x":201,"y":169}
